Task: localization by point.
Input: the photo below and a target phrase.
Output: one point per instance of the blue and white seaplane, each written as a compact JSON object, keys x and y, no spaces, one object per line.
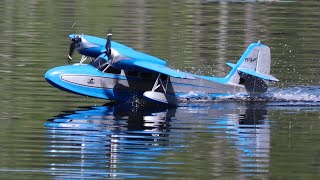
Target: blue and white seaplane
{"x":119,"y":73}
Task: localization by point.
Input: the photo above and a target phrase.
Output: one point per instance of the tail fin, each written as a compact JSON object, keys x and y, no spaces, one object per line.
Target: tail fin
{"x":252,"y":69}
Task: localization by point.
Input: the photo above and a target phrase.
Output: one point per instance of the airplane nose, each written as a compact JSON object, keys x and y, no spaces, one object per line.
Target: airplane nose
{"x":53,"y":75}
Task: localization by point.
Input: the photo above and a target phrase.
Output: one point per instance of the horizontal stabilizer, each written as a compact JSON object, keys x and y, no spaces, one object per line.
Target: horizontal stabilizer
{"x":163,"y":70}
{"x":267,"y":77}
{"x":231,"y":65}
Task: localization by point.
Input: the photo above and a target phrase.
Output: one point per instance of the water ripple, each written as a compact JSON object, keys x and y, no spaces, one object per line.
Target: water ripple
{"x":297,"y":95}
{"x":109,"y":136}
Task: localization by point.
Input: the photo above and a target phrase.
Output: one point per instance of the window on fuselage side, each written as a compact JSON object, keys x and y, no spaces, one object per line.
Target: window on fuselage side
{"x":132,"y":73}
{"x":146,"y":75}
{"x":112,"y":70}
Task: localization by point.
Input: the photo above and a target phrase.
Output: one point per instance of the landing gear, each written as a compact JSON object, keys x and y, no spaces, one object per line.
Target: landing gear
{"x":161,"y":96}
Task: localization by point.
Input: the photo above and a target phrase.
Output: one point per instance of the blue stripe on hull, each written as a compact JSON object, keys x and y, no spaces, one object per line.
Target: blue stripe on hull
{"x":102,"y":93}
{"x":200,"y":88}
{"x":124,"y":95}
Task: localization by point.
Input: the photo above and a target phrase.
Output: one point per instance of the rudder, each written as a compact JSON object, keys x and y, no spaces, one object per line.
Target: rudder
{"x":253,"y":69}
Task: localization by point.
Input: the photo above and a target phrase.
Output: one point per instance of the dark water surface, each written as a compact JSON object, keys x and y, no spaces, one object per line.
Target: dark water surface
{"x":49,"y":134}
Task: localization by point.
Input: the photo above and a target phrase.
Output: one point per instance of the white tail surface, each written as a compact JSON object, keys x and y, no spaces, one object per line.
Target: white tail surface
{"x":252,"y":68}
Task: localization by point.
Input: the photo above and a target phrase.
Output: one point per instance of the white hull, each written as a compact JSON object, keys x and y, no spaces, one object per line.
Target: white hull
{"x":160,"y":97}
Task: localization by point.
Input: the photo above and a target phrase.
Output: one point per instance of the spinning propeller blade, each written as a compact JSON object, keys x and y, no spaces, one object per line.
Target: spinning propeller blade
{"x":108,"y":44}
{"x":74,"y":41}
{"x":71,"y":50}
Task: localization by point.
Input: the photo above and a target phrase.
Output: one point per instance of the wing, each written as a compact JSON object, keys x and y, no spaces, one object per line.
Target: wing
{"x":100,"y":41}
{"x":163,"y":70}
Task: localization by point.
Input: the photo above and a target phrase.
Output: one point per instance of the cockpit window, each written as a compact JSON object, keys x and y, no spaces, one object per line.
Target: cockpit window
{"x":102,"y":65}
{"x":99,"y":63}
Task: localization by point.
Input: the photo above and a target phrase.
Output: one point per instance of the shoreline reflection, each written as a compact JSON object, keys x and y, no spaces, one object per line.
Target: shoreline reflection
{"x":119,"y":141}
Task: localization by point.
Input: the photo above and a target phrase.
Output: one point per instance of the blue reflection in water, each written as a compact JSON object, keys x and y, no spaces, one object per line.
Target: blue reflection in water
{"x":124,"y":142}
{"x":253,"y":139}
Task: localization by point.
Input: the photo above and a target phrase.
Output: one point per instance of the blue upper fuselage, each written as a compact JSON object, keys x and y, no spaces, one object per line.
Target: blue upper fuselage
{"x":94,"y":46}
{"x":119,"y":73}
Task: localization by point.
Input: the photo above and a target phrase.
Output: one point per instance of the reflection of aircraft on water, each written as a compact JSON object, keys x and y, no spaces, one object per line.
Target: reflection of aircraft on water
{"x":119,"y":73}
{"x":120,"y":141}
{"x":109,"y":136}
{"x":98,"y":117}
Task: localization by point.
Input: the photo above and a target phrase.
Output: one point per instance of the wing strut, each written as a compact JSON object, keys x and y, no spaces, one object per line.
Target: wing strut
{"x":159,"y":82}
{"x":161,"y":97}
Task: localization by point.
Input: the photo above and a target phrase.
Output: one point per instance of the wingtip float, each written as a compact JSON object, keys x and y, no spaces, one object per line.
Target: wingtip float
{"x":117,"y":72}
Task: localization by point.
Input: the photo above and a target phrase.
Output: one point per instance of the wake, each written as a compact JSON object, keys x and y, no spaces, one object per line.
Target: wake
{"x":301,"y":95}
{"x":294,"y":94}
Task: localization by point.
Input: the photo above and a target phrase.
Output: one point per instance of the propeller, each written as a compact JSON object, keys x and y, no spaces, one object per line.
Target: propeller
{"x":74,"y":41}
{"x":108,"y":44}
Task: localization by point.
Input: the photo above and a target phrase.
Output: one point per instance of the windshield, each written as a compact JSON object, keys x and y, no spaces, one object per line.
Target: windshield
{"x":99,"y":63}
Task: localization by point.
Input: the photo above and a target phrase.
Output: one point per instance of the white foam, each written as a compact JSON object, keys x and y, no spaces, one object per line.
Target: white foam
{"x":305,"y":94}
{"x":291,"y":94}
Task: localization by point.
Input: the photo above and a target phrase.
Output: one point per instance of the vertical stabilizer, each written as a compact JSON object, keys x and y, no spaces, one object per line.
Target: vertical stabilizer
{"x":252,"y":69}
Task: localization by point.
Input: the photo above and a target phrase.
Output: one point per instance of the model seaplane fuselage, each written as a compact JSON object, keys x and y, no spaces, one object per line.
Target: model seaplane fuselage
{"x":119,"y":73}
